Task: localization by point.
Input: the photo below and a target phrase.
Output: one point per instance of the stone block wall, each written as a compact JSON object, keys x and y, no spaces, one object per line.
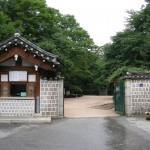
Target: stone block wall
{"x":22,"y":108}
{"x":51,"y":98}
{"x":137,"y":96}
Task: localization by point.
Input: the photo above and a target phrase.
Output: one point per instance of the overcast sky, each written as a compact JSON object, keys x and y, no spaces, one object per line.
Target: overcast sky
{"x":100,"y":18}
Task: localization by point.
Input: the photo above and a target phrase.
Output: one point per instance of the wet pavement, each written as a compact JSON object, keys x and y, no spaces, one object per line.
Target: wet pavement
{"x":126,"y":135}
{"x":101,"y":133}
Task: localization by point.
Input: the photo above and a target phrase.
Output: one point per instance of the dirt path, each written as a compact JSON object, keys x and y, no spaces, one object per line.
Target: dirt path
{"x":89,"y":106}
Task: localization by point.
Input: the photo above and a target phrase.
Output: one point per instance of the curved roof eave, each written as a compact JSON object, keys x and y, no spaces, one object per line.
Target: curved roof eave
{"x":18,"y":40}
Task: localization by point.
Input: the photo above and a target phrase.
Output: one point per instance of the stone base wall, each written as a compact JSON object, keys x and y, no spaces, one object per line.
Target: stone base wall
{"x":22,"y":108}
{"x":137,"y":97}
{"x":51,"y":98}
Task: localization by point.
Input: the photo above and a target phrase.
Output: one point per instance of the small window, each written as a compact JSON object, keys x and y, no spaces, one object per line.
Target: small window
{"x":31,"y":78}
{"x":4,"y":78}
{"x":18,"y":90}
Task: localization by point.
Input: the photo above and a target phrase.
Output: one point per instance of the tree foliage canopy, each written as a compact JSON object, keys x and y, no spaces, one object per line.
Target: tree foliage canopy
{"x":129,"y":50}
{"x":56,"y":33}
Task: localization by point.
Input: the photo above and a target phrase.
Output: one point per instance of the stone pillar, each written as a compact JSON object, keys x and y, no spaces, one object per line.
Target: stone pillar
{"x":128,"y":107}
{"x":140,"y":96}
{"x":52,"y":98}
{"x":61,"y":98}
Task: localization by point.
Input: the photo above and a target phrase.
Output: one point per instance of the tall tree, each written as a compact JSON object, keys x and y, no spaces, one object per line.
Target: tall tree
{"x":130,"y":48}
{"x":56,"y":33}
{"x":6,"y":26}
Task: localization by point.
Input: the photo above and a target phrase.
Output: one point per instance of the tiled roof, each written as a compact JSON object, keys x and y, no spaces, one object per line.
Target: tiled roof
{"x":137,"y":75}
{"x":28,"y":46}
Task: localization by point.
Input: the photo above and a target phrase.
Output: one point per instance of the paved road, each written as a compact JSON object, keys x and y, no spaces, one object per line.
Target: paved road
{"x":103,"y":133}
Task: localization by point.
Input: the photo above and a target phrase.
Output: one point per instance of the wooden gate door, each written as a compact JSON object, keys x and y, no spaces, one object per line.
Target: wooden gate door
{"x":119,"y":98}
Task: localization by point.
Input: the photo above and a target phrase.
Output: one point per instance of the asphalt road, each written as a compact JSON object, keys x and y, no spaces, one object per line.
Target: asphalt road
{"x":102,"y":133}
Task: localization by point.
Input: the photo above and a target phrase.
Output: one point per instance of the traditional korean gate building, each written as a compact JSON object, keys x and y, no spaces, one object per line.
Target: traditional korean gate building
{"x":132,"y":94}
{"x":29,"y":83}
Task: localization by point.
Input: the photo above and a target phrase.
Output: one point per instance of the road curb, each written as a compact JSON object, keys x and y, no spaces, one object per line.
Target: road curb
{"x":31,"y":120}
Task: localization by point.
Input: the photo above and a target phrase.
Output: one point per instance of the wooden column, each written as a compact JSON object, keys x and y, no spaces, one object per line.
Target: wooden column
{"x":37,"y":95}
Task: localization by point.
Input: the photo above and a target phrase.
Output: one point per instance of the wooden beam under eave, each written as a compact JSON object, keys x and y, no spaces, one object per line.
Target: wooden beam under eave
{"x":27,"y":56}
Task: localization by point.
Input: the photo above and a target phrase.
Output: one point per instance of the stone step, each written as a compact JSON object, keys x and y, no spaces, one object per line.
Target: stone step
{"x":25,"y":120}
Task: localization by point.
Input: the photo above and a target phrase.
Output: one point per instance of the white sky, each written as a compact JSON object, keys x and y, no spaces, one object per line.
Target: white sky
{"x":100,"y":18}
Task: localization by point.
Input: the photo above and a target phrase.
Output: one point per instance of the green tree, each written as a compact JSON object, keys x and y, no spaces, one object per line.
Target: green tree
{"x":6,"y":26}
{"x":56,"y":33}
{"x":129,"y":50}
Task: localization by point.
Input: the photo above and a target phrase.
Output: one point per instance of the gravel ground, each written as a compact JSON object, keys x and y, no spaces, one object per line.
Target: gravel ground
{"x":89,"y":106}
